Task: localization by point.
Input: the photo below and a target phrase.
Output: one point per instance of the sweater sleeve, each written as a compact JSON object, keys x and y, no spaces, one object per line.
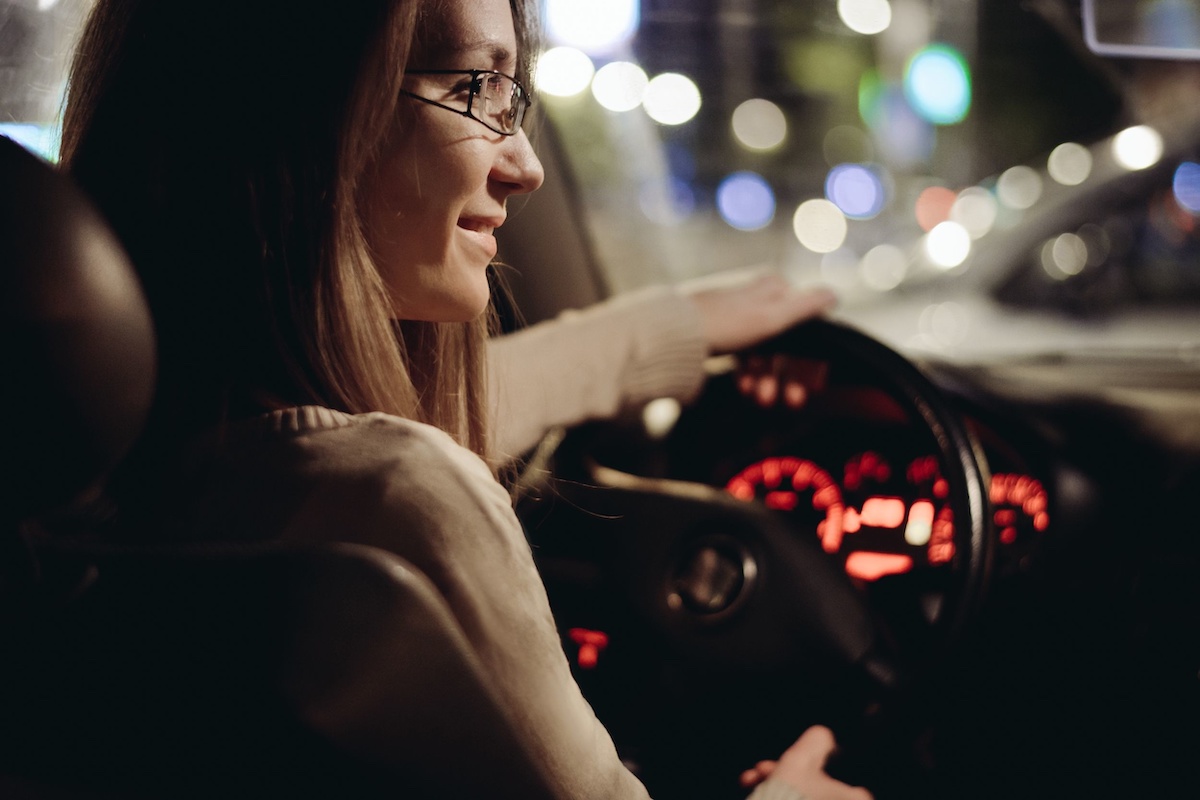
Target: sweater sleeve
{"x":410,"y":489}
{"x":589,"y":364}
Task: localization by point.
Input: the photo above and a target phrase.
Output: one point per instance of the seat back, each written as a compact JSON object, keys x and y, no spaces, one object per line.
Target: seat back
{"x":203,"y":670}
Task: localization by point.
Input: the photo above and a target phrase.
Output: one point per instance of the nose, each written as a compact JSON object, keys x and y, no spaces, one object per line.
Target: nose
{"x":517,"y":169}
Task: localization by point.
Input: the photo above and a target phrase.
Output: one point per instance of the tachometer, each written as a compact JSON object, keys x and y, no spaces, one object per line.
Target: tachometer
{"x":799,"y":486}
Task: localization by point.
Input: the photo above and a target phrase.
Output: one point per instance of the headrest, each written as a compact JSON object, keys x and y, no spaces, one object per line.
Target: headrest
{"x":77,"y":348}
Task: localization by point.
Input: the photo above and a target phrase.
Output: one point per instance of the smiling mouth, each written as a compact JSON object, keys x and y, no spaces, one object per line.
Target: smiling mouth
{"x":476,"y":226}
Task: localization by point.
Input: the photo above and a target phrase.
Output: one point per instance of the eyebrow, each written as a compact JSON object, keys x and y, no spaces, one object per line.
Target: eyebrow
{"x":498,"y":53}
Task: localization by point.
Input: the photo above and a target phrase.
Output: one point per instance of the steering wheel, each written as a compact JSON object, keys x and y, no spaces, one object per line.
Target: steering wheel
{"x":721,"y":585}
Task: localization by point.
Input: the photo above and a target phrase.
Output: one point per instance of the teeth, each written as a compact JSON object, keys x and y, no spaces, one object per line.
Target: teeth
{"x":478,"y":227}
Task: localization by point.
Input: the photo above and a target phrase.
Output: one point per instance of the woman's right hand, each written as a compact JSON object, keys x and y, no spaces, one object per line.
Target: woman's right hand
{"x":802,"y":766}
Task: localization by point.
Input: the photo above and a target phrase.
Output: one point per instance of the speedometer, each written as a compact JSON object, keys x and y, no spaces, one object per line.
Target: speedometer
{"x":877,"y":520}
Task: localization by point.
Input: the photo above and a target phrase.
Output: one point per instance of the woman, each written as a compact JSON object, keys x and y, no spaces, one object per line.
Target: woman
{"x":319,"y":284}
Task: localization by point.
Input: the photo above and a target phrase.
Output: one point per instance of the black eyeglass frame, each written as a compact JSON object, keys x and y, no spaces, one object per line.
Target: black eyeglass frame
{"x":476,"y":88}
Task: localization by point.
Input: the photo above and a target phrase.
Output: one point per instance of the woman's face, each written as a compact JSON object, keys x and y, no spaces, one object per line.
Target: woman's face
{"x":431,"y":202}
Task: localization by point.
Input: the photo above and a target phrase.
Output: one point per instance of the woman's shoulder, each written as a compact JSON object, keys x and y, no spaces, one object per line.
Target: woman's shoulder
{"x":400,"y":484}
{"x":350,"y":439}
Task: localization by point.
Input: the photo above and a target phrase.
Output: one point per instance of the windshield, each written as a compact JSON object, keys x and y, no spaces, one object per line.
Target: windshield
{"x":975,"y":179}
{"x":947,"y":167}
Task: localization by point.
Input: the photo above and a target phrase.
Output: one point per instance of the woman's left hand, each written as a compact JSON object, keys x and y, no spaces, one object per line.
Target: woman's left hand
{"x":743,"y":308}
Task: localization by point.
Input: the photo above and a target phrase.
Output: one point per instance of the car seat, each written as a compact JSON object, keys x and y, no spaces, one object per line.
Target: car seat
{"x":193,"y":671}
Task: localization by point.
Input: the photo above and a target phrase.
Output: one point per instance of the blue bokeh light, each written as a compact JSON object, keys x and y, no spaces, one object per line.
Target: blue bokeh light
{"x":746,"y":201}
{"x":902,"y":137}
{"x":857,"y":190}
{"x":667,"y":202}
{"x":1187,"y":186}
{"x":937,"y":83}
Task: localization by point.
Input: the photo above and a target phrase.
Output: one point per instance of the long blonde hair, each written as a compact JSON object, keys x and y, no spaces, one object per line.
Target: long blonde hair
{"x":225,"y":142}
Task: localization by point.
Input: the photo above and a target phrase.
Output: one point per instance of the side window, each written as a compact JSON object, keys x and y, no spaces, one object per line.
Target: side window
{"x":36,"y":41}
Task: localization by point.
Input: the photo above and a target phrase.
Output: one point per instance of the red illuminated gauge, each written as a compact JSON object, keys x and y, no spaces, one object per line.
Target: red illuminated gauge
{"x":796,"y":485}
{"x":931,"y":521}
{"x":895,"y":520}
{"x":1020,"y":504}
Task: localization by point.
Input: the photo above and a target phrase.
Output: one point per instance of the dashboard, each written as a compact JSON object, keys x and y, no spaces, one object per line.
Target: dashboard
{"x":1090,"y":572}
{"x":848,"y":466}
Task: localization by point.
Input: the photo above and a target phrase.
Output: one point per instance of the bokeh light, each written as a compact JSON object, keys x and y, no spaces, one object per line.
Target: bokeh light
{"x":975,"y":210}
{"x":1019,"y":187}
{"x":945,"y":324}
{"x":840,"y":268}
{"x":1138,"y":147}
{"x":671,"y":99}
{"x":667,"y":202}
{"x":820,"y":226}
{"x":865,"y":16}
{"x":595,"y":28}
{"x":620,"y":86}
{"x":856,"y":190}
{"x":746,"y":201}
{"x":1097,"y":241}
{"x":660,"y":415}
{"x":884,"y":267}
{"x":933,"y":206}
{"x":759,"y":124}
{"x":937,"y":83}
{"x":1070,"y":164}
{"x":903,"y":137}
{"x":1186,"y":185}
{"x":564,"y":72}
{"x":948,"y":245}
{"x":1064,"y":256}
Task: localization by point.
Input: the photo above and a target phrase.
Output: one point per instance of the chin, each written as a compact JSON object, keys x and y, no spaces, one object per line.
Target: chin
{"x":447,"y":306}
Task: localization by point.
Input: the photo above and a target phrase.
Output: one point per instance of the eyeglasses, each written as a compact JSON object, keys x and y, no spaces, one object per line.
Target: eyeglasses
{"x":501,"y":97}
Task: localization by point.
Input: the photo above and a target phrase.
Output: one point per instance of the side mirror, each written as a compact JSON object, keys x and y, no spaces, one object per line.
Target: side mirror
{"x":1165,"y":29}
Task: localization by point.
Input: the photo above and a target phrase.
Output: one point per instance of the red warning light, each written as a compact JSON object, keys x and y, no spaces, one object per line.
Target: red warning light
{"x":590,"y":644}
{"x":870,"y":566}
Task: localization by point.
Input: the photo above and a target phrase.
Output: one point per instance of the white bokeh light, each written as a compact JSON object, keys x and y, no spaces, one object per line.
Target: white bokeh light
{"x":884,"y":267}
{"x":1064,"y":256}
{"x":564,"y":72}
{"x":671,"y":99}
{"x":598,"y":27}
{"x":865,"y":16}
{"x":620,"y":86}
{"x":974,"y":209}
{"x":840,"y":268}
{"x":1019,"y":187}
{"x":1070,"y":164}
{"x":1138,"y":147}
{"x":659,"y":416}
{"x":946,"y":324}
{"x":948,"y":245}
{"x":759,"y":124}
{"x":820,"y":226}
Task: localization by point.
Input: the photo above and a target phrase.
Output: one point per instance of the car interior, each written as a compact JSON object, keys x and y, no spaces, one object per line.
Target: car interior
{"x":971,"y":552}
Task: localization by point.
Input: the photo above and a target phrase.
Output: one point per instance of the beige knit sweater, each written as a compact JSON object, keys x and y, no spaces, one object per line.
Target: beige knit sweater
{"x":311,"y":474}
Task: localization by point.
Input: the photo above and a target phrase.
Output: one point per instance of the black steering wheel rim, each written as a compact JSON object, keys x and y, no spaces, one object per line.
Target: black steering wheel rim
{"x":599,"y":498}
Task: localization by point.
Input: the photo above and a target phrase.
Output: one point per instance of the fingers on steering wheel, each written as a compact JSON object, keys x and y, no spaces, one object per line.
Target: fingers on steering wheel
{"x":757,"y":774}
